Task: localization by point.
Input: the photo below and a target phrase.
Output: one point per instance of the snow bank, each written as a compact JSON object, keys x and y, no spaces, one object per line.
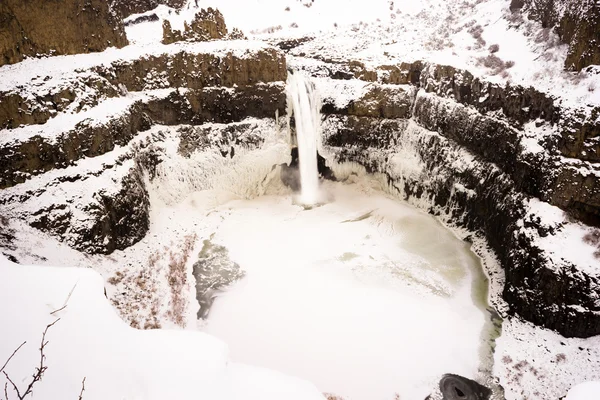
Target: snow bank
{"x":585,"y":391}
{"x":90,"y":341}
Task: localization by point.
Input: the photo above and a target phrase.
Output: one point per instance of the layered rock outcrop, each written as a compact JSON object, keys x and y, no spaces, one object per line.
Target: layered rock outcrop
{"x":75,"y":26}
{"x":119,"y":102}
{"x":481,"y":156}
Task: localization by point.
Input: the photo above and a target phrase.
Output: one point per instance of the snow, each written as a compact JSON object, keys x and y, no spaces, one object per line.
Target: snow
{"x":584,"y":391}
{"x":566,"y":240}
{"x":539,"y":364}
{"x":19,"y":77}
{"x":341,"y":290}
{"x":90,"y":341}
{"x":360,"y":334}
{"x":440,"y":31}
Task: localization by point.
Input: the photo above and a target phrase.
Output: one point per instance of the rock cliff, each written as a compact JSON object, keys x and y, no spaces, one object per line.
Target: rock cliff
{"x":576,"y":22}
{"x":32,"y":28}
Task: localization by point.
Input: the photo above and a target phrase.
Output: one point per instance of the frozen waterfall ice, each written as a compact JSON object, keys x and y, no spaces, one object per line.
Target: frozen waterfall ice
{"x":303,"y":99}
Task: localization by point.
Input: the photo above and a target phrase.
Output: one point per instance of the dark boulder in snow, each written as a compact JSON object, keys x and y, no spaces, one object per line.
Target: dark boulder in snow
{"x":456,"y":387}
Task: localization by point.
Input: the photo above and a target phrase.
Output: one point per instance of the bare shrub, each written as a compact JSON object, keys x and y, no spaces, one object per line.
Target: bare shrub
{"x":287,"y":9}
{"x":116,"y":279}
{"x":38,"y":373}
{"x":476,"y":31}
{"x":495,"y":63}
{"x":494,"y":48}
{"x":293,"y":25}
{"x":138,"y":292}
{"x":561,"y":357}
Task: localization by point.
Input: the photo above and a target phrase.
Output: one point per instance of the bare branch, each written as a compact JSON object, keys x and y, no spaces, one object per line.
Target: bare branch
{"x":5,"y":390}
{"x":66,"y":300}
{"x":15,"y":388}
{"x":60,"y":309}
{"x":11,"y":356}
{"x":39,"y":371}
{"x":82,"y":389}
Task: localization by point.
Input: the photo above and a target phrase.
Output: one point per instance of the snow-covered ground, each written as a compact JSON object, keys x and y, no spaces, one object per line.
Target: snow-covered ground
{"x":364,"y":296}
{"x":88,"y":340}
{"x":409,"y":341}
{"x":452,"y":32}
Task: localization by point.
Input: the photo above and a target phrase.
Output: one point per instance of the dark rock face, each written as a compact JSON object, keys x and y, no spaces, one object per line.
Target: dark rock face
{"x":290,"y":174}
{"x":141,"y":19}
{"x":476,"y":194}
{"x":182,"y":69}
{"x":17,"y":109}
{"x":76,"y":26}
{"x":195,"y":71}
{"x":38,"y":154}
{"x":577,"y":23}
{"x":477,"y":170}
{"x":201,"y":138}
{"x":213,"y":271}
{"x":207,"y":24}
{"x":106,"y":207}
{"x":114,"y":220}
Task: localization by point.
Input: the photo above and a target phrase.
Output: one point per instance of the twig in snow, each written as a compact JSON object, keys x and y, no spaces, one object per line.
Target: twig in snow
{"x":82,"y":389}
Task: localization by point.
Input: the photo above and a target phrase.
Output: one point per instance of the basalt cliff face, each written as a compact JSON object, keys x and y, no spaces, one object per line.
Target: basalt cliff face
{"x":37,"y":27}
{"x":114,"y":105}
{"x":493,"y":159}
{"x":84,"y":142}
{"x":576,"y":22}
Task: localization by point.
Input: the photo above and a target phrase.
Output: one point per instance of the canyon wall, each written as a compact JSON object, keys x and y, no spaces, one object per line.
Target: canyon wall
{"x":31,"y":28}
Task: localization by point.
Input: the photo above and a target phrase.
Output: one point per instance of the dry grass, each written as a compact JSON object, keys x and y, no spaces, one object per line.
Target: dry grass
{"x":177,"y":278}
{"x":137,"y":298}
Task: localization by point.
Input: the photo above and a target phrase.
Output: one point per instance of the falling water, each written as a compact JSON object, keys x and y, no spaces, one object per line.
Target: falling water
{"x":305,"y":103}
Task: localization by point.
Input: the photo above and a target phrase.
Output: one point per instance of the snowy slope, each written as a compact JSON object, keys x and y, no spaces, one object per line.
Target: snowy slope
{"x":90,"y":341}
{"x":459,"y":33}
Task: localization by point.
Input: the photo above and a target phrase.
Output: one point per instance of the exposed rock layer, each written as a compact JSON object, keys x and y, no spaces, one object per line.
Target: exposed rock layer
{"x":76,"y":26}
{"x":577,"y":23}
{"x":474,"y":164}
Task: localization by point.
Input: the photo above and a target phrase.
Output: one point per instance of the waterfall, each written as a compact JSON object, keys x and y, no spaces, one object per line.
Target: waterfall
{"x":303,"y":99}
